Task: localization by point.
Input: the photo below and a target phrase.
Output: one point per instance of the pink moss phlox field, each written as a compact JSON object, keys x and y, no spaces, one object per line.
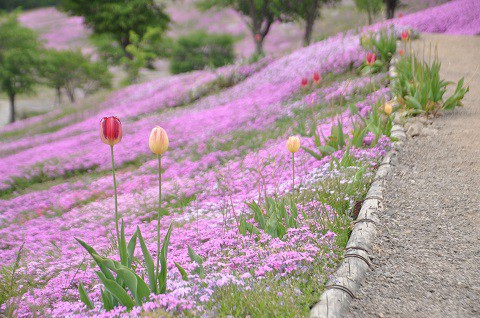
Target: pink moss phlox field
{"x":454,"y":17}
{"x":221,"y":179}
{"x":58,"y":262}
{"x":250,"y":103}
{"x":58,"y":30}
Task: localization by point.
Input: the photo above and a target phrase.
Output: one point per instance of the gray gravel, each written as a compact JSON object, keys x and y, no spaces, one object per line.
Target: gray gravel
{"x":427,"y":253}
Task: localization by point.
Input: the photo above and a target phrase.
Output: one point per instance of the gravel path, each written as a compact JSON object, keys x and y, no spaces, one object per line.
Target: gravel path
{"x":427,"y":254}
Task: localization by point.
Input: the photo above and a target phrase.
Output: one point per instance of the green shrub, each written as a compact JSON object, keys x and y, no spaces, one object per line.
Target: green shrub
{"x":420,"y":89}
{"x":275,"y":221}
{"x":384,"y":45}
{"x":199,"y":50}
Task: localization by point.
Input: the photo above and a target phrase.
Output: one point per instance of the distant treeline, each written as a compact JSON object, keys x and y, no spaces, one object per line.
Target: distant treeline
{"x":9,"y":5}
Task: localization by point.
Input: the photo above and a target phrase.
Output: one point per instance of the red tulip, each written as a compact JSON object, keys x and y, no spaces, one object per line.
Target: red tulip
{"x":371,"y":58}
{"x":111,"y":130}
{"x":304,"y":82}
{"x":401,"y":52}
{"x":400,"y":15}
{"x":317,"y":78}
{"x":405,"y":35}
{"x":257,"y":37}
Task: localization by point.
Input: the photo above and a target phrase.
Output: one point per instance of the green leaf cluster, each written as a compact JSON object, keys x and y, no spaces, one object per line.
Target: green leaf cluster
{"x":122,"y":285}
{"x":275,"y":220}
{"x":420,"y":89}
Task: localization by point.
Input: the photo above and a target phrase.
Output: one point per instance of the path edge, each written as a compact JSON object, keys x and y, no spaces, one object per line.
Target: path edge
{"x":345,"y":283}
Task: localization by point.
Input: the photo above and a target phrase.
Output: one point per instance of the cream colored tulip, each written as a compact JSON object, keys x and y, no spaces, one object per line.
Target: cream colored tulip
{"x":158,"y":141}
{"x":388,"y":108}
{"x":293,"y":144}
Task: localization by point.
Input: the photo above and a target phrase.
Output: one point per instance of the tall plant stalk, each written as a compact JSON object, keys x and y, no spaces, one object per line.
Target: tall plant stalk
{"x":116,"y":199}
{"x":293,"y":172}
{"x":159,"y":212}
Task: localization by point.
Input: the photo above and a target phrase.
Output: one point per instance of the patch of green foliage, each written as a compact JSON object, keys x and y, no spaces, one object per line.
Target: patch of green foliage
{"x":198,"y":50}
{"x":420,"y":89}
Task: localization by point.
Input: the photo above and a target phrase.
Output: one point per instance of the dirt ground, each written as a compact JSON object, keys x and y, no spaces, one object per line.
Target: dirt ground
{"x":427,"y":256}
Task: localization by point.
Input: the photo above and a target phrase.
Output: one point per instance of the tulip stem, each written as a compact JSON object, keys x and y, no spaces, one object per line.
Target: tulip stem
{"x":115,"y":191}
{"x":159,"y":157}
{"x":293,"y":173}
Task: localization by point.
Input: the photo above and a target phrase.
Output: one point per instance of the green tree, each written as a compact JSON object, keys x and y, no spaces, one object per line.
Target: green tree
{"x":259,"y":15}
{"x":119,"y":17}
{"x":371,"y":7}
{"x":70,"y":71}
{"x":306,"y":10}
{"x":198,"y":50}
{"x":143,"y":50}
{"x":19,"y":59}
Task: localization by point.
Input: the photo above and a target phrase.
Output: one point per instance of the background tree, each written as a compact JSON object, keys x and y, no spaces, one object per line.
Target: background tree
{"x":118,"y":18}
{"x":9,"y":5}
{"x":259,"y":15}
{"x":69,"y":71}
{"x":371,"y":7}
{"x":391,"y":5}
{"x":308,"y":11}
{"x":198,"y":50}
{"x":143,"y":51}
{"x":19,"y":59}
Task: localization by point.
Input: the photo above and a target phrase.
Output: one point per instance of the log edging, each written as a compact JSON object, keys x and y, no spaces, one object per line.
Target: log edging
{"x":345,"y":283}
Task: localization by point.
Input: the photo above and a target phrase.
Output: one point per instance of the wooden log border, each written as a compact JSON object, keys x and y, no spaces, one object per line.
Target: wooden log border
{"x":347,"y":279}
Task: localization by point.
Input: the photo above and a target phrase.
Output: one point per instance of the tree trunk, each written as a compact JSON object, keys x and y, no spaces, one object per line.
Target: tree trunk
{"x":12,"y":107}
{"x":310,"y":22}
{"x":59,"y":95}
{"x":259,"y":46}
{"x":71,"y":94}
{"x":124,"y":42}
{"x":390,"y":10}
{"x":307,"y":38}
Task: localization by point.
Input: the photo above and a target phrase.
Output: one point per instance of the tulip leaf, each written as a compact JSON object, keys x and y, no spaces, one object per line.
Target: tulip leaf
{"x":106,"y":299}
{"x":84,"y":296}
{"x":135,"y":283}
{"x":123,"y":246}
{"x":182,"y":271}
{"x":162,"y":276}
{"x":194,"y":256}
{"x":313,"y":153}
{"x":148,"y":263}
{"x":131,"y":249}
{"x":117,"y":291}
{"x":92,"y":252}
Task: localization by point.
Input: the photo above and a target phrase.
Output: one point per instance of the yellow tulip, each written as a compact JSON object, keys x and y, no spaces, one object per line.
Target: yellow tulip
{"x":293,"y":144}
{"x":388,"y":108}
{"x":158,"y":141}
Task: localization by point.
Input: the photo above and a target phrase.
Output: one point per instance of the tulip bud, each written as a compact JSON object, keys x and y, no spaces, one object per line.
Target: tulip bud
{"x":401,"y":52}
{"x":304,"y":82}
{"x":257,"y":37}
{"x":293,"y":144}
{"x":158,"y":141}
{"x":405,"y":35}
{"x":371,"y":58}
{"x":388,"y":108}
{"x":111,"y":130}
{"x":317,"y":78}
